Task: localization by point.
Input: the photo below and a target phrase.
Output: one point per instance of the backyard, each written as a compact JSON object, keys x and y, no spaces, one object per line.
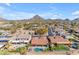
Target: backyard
{"x":59,"y":48}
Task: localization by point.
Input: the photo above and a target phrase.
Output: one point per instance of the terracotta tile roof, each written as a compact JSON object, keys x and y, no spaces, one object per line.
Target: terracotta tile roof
{"x":59,"y":40}
{"x":39,"y":41}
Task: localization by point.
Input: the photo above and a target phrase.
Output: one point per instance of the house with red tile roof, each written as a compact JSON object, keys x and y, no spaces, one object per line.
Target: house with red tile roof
{"x":42,"y":42}
{"x":39,"y":41}
{"x":59,"y":40}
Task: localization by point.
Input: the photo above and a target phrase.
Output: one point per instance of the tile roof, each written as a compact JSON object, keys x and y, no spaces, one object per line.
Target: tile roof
{"x":39,"y":41}
{"x":59,"y":40}
{"x":44,"y":41}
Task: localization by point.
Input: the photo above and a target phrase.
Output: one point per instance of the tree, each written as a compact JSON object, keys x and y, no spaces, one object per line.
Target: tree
{"x":22,"y":50}
{"x":0,"y":33}
{"x":42,"y":31}
{"x":49,"y":44}
{"x":13,"y":30}
{"x":55,"y":44}
{"x":27,"y":26}
{"x":19,"y":25}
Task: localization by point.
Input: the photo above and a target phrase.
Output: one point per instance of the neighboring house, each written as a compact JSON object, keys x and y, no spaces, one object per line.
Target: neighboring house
{"x":4,"y":40}
{"x":5,"y":33}
{"x":35,"y":26}
{"x":39,"y":42}
{"x":20,"y":39}
{"x":59,"y":40}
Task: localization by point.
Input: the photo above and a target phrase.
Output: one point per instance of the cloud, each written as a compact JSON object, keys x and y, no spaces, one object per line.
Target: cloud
{"x":2,"y":9}
{"x":8,"y":4}
{"x":14,"y":15}
{"x":53,"y":8}
{"x":10,"y":14}
{"x":51,"y":15}
{"x":18,"y":15}
{"x":57,"y":16}
{"x":75,"y":12}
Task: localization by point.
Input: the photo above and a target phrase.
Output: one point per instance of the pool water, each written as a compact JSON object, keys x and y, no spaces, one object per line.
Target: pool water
{"x":74,"y":45}
{"x":38,"y":49}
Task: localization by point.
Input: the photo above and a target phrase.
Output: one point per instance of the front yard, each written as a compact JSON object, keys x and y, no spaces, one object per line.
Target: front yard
{"x":6,"y":52}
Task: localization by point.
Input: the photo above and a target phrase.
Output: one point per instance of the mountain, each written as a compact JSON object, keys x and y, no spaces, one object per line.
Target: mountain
{"x":2,"y":19}
{"x":37,"y":19}
{"x":76,"y":20}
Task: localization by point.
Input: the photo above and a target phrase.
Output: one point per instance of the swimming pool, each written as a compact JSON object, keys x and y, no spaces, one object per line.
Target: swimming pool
{"x":74,"y":45}
{"x":38,"y":49}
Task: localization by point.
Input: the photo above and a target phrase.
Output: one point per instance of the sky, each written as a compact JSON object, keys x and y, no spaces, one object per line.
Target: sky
{"x":16,"y":11}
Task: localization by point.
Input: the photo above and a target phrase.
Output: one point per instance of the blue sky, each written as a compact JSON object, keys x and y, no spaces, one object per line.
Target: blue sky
{"x":13,"y":11}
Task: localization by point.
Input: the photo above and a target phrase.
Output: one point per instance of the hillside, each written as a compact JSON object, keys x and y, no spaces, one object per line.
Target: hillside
{"x":37,"y":19}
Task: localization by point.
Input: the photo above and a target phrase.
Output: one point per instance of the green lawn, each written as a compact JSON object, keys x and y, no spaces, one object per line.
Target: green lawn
{"x":59,"y":48}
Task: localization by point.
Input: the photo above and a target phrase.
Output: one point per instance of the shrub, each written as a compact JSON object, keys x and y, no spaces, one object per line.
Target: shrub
{"x":42,"y":31}
{"x":21,"y":50}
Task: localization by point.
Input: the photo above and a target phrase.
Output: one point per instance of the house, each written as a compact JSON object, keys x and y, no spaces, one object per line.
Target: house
{"x":4,"y":33}
{"x":35,"y":26}
{"x":4,"y":40}
{"x":20,"y":39}
{"x":59,"y":40}
{"x":39,"y":42}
